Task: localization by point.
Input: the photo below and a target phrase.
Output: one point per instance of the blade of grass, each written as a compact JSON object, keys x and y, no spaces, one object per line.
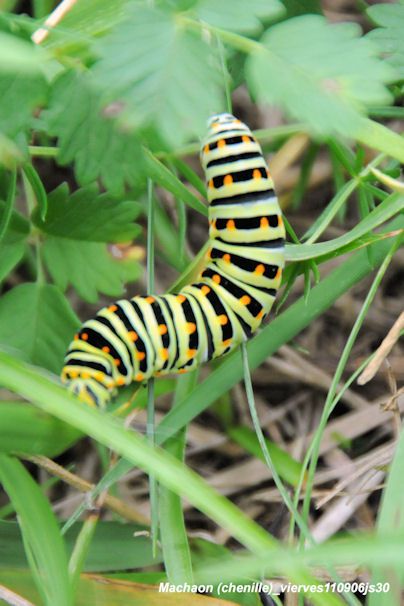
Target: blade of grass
{"x":8,"y":208}
{"x":41,"y":535}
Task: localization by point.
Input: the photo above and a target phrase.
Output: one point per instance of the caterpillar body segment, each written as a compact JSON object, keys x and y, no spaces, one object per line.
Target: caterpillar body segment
{"x":146,"y":336}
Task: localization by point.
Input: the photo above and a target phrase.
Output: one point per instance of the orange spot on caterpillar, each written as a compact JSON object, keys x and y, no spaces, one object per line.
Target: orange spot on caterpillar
{"x":76,"y":337}
{"x":280,"y":221}
{"x":268,"y":174}
{"x":206,"y":148}
{"x":182,"y":371}
{"x":84,"y":336}
{"x":221,"y":143}
{"x":139,"y":376}
{"x":223,"y":319}
{"x":99,"y":376}
{"x":245,"y":139}
{"x":74,"y":374}
{"x":133,"y":336}
{"x":260,"y":269}
{"x":191,"y":353}
{"x":226,"y":257}
{"x":210,"y":184}
{"x":228,"y":180}
{"x":85,"y":375}
{"x":205,"y":289}
{"x":140,"y":355}
{"x":209,"y":254}
{"x":227,"y":343}
{"x":120,"y":381}
{"x":117,"y":361}
{"x":181,"y":298}
{"x":256,"y":174}
{"x":230,"y":224}
{"x":216,"y":278}
{"x":245,"y":300}
{"x":163,"y":329}
{"x":150,"y":299}
{"x":264,"y":222}
{"x":259,"y":315}
{"x":164,"y":354}
{"x":106,"y":349}
{"x":191,"y":328}
{"x":278,"y":273}
{"x":112,"y":308}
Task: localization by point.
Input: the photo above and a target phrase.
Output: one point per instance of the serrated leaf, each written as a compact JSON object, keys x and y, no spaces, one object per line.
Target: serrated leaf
{"x":87,"y":266}
{"x":89,"y":138}
{"x":239,"y":15}
{"x":20,"y":94}
{"x":37,"y":321}
{"x":160,"y":72}
{"x":389,"y":37}
{"x":87,"y":215}
{"x":325,"y":75}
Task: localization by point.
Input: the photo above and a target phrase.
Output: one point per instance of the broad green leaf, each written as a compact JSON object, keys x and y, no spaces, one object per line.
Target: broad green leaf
{"x":302,"y":7}
{"x":20,"y":95}
{"x":90,"y":137}
{"x":37,"y":321}
{"x":19,"y":56}
{"x":87,"y":215}
{"x":114,"y":546}
{"x":42,"y":539}
{"x":23,"y":428}
{"x":389,"y":36}
{"x":88,"y":266}
{"x":160,"y":72}
{"x":239,"y":15}
{"x":323,"y":74}
{"x":10,"y":256}
{"x":18,"y":227}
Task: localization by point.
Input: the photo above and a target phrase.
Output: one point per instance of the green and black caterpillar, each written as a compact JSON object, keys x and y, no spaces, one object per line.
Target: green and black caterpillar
{"x":146,"y":336}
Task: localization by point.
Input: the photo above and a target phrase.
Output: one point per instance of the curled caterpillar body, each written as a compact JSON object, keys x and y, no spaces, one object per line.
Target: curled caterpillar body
{"x":146,"y":336}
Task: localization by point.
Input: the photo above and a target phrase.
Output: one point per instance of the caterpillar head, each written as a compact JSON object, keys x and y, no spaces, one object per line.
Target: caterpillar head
{"x":218,"y":123}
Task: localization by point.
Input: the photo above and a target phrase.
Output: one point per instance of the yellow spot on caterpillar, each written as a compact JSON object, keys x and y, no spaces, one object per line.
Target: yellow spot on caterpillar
{"x":209,"y":254}
{"x":140,"y":355}
{"x":260,"y":269}
{"x":280,"y":221}
{"x":139,"y":376}
{"x":228,"y":180}
{"x":117,"y":361}
{"x":164,"y":354}
{"x":120,"y":381}
{"x":264,"y":222}
{"x":191,"y":352}
{"x":162,"y":329}
{"x":256,"y":174}
{"x":191,"y":328}
{"x":230,"y":224}
{"x":85,"y":375}
{"x":106,"y":349}
{"x":99,"y":376}
{"x":150,"y":299}
{"x":210,"y":184}
{"x":226,"y":257}
{"x":84,"y":336}
{"x":227,"y":343}
{"x":278,"y":274}
{"x":245,"y":139}
{"x":245,"y":300}
{"x":112,"y":308}
{"x":133,"y":336}
{"x":223,"y":319}
{"x":74,"y":374}
{"x":206,"y":149}
{"x":221,"y":143}
{"x":205,"y":289}
{"x":216,"y":278}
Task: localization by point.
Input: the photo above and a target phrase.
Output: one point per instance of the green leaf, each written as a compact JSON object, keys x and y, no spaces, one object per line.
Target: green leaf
{"x":19,"y":56}
{"x":88,"y":266}
{"x":87,"y":215}
{"x":89,"y":137}
{"x":10,"y":256}
{"x":36,"y":320}
{"x":325,"y":75}
{"x":238,"y":15}
{"x":23,"y":428}
{"x":389,"y":36}
{"x":42,"y":539}
{"x":19,"y":94}
{"x":160,"y":72}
